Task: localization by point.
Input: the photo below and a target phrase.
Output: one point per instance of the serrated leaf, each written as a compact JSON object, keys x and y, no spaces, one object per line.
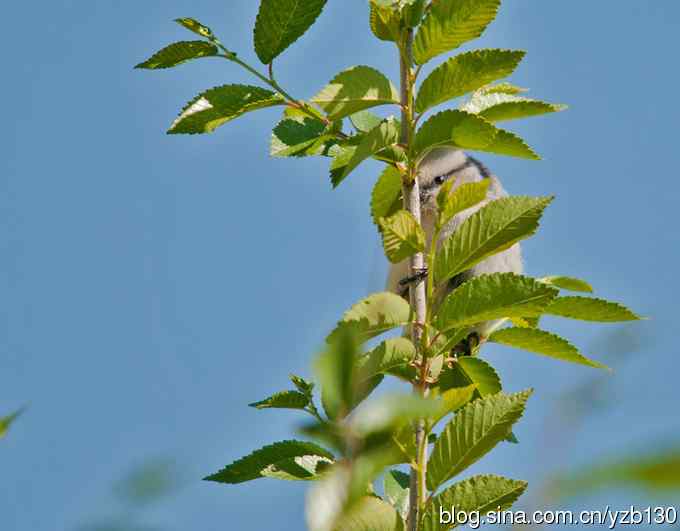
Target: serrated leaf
{"x":472,"y":433}
{"x":287,"y":456}
{"x":281,"y":22}
{"x":194,"y":25}
{"x":292,"y":137}
{"x":365,"y":120}
{"x":493,"y":228}
{"x":283,"y":400}
{"x":465,"y":196}
{"x":479,"y":495}
{"x":341,"y":157}
{"x":496,"y":296}
{"x":370,"y":514}
{"x":590,"y":309}
{"x":386,"y":194}
{"x":464,"y":73}
{"x":178,"y":53}
{"x":354,"y":90}
{"x":542,"y":342}
{"x":498,"y":106}
{"x":215,"y":107}
{"x":448,"y":24}
{"x":387,"y":356}
{"x":454,"y":128}
{"x":386,"y":134}
{"x":374,"y":315}
{"x":507,"y":143}
{"x":6,"y":422}
{"x":402,"y":236}
{"x":451,"y":401}
{"x":568,"y":283}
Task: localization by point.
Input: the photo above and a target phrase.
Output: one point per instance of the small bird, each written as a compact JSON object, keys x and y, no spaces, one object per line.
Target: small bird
{"x":435,"y":169}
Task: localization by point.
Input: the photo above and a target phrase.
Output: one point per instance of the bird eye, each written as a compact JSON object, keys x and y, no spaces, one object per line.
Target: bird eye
{"x":439,"y":179}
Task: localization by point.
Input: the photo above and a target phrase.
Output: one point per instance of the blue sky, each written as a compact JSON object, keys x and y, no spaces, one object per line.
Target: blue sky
{"x":152,"y":285}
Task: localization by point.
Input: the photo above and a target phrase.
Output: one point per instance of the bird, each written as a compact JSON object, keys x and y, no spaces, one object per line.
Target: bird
{"x":436,"y":168}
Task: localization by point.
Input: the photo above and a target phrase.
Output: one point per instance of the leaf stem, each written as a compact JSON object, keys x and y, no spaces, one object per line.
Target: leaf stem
{"x":417,"y":291}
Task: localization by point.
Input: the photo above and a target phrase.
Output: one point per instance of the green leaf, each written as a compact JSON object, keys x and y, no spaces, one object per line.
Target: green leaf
{"x":370,"y":514}
{"x":502,"y":88}
{"x":470,"y":370}
{"x":496,"y":296}
{"x":335,"y":372}
{"x":396,"y":485}
{"x":657,"y":472}
{"x":590,"y":309}
{"x":507,"y":143}
{"x":294,"y":458}
{"x":195,"y":26}
{"x":283,"y":400}
{"x":498,"y":106}
{"x":389,"y":355}
{"x":386,"y":134}
{"x":281,"y":22}
{"x":464,"y":73}
{"x":374,"y":315}
{"x":479,"y":494}
{"x":178,"y":53}
{"x":450,"y":23}
{"x":6,"y":422}
{"x":386,"y":194}
{"x":384,"y":22}
{"x":354,"y":90}
{"x":454,"y":128}
{"x":341,"y":154}
{"x":215,"y":107}
{"x":364,"y":121}
{"x":389,"y":412}
{"x":568,"y":283}
{"x":542,"y":342}
{"x":451,"y":401}
{"x":293,"y":136}
{"x":402,"y":236}
{"x":494,"y":228}
{"x":465,"y":196}
{"x":302,"y":385}
{"x":472,"y":433}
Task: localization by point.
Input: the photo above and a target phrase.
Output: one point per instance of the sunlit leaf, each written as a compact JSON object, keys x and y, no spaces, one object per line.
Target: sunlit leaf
{"x":448,"y":24}
{"x":494,"y":228}
{"x":590,"y":309}
{"x":402,"y":236}
{"x":542,"y":342}
{"x":354,"y":90}
{"x":291,"y":457}
{"x":464,"y":73}
{"x":472,"y":433}
{"x":456,"y":129}
{"x":386,"y":194}
{"x":496,"y":296}
{"x":568,"y":283}
{"x":281,"y":22}
{"x":178,"y":53}
{"x":479,"y":494}
{"x":215,"y":107}
{"x":283,"y":400}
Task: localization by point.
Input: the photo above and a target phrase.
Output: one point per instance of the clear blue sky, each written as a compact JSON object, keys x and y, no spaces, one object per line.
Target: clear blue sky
{"x":151,"y":285}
